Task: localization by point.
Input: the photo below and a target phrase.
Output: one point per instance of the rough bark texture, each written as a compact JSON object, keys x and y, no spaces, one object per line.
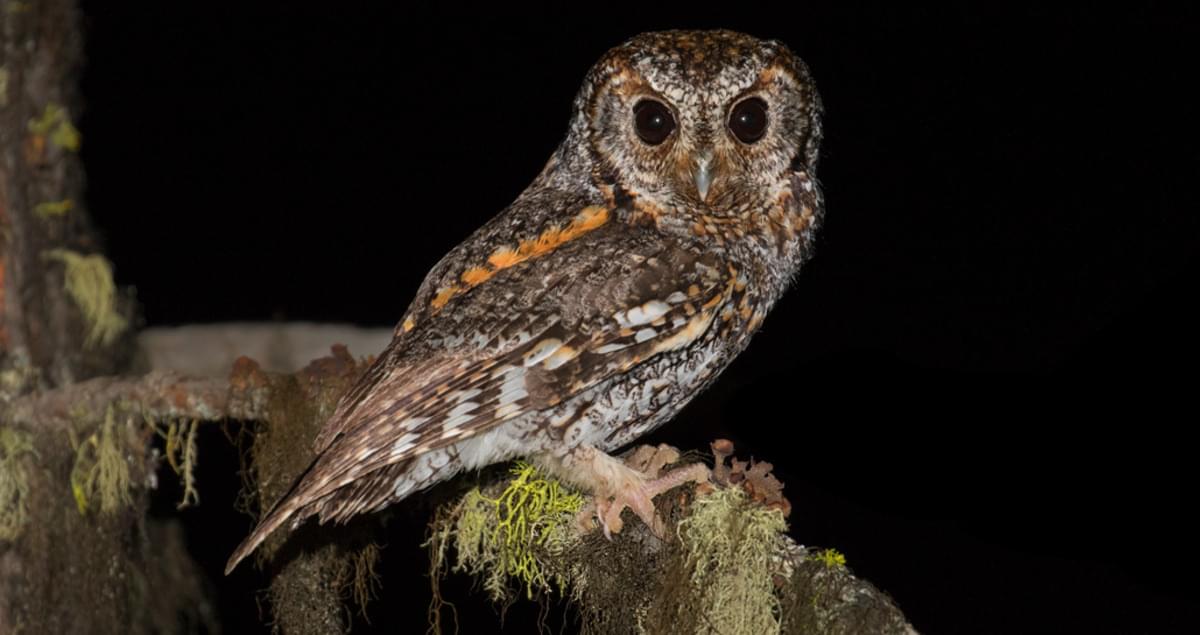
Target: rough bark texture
{"x":45,"y":333}
{"x":72,"y":564}
{"x":314,"y":570}
{"x":63,"y":568}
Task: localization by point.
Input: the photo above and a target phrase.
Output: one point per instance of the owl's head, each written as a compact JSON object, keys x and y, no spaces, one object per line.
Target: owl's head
{"x":711,"y":120}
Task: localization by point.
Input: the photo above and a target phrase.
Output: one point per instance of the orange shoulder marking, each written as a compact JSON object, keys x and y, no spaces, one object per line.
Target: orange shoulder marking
{"x":443,"y":296}
{"x":476,"y":275}
{"x":590,"y":218}
{"x":550,"y":239}
{"x":504,"y":258}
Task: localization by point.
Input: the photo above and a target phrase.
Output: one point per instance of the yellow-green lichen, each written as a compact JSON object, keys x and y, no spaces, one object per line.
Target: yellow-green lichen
{"x":100,"y":475}
{"x":3,"y":87}
{"x":181,"y":452}
{"x":504,"y":537}
{"x":19,"y":375}
{"x":831,"y":558}
{"x":89,"y":282}
{"x":55,"y":124}
{"x":54,"y":208}
{"x":14,"y":481}
{"x":729,"y":543}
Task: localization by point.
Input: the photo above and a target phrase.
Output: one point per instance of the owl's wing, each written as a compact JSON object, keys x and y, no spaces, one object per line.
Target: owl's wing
{"x":528,"y":337}
{"x":588,"y":318}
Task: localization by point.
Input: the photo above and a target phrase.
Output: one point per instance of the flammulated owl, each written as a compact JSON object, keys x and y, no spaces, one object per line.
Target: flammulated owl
{"x":611,"y":292}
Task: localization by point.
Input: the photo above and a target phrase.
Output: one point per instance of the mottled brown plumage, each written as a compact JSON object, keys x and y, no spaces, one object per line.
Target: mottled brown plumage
{"x":612,"y":291}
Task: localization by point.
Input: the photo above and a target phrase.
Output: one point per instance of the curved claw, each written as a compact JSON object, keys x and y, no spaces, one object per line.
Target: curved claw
{"x":638,"y":496}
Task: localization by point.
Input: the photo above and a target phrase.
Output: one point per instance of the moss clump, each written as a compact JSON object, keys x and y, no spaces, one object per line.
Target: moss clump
{"x":718,"y":571}
{"x":89,"y":282}
{"x":14,"y":481}
{"x":728,"y":547}
{"x":100,"y":475}
{"x":313,"y":570}
{"x":505,"y":537}
{"x":17,"y":375}
{"x":54,"y":208}
{"x":513,"y":537}
{"x":831,"y":558}
{"x":55,"y":124}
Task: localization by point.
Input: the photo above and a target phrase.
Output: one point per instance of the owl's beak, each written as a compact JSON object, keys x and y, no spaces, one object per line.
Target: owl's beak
{"x":704,"y":174}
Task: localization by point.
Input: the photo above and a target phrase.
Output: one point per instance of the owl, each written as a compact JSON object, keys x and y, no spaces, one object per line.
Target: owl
{"x":617,"y":286}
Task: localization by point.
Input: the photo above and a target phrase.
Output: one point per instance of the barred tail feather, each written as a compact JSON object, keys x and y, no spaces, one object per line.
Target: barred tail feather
{"x":279,"y":514}
{"x":282,"y":511}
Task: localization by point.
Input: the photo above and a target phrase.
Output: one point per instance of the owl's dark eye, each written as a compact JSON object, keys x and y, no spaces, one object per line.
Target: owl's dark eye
{"x":652,"y":121}
{"x":748,"y":121}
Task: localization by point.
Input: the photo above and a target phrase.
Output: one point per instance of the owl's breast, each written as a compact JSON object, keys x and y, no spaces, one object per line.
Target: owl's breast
{"x":635,"y":403}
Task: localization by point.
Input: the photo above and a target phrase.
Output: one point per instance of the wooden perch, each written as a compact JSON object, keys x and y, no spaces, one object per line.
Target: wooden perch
{"x":161,"y":396}
{"x":726,"y":565}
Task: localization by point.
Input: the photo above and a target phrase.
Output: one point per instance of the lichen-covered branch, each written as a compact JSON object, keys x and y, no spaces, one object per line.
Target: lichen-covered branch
{"x":160,"y":395}
{"x":77,"y":463}
{"x":727,"y":565}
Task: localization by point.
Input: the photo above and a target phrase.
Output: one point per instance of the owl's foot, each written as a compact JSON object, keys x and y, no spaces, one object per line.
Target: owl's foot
{"x":633,"y":484}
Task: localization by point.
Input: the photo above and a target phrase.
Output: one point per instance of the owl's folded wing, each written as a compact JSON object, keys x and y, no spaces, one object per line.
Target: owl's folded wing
{"x":579,"y":328}
{"x":531,"y":336}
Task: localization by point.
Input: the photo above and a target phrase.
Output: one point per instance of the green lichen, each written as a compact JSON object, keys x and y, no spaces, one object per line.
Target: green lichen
{"x":55,"y":124}
{"x":3,"y":87}
{"x":717,"y":573}
{"x":18,"y":374}
{"x":506,"y":537}
{"x":14,"y":481}
{"x":54,"y":208}
{"x":100,"y":476}
{"x":831,"y":558}
{"x":181,"y":452}
{"x":89,"y":282}
{"x":728,"y":545}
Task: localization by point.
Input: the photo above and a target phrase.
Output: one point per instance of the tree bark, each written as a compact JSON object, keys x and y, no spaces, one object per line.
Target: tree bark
{"x":62,"y":320}
{"x":47,"y":334}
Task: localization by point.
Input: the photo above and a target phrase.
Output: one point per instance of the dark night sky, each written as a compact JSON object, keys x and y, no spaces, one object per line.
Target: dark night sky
{"x":978,"y":390}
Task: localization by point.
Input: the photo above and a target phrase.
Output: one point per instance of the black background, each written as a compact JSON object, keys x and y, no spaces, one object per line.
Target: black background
{"x":981,"y":390}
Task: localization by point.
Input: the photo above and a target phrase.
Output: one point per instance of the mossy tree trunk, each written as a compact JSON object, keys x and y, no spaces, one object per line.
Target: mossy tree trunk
{"x":47,"y":334}
{"x":61,"y":321}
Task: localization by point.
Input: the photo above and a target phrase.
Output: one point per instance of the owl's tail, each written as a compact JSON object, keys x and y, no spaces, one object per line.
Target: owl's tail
{"x":282,"y":511}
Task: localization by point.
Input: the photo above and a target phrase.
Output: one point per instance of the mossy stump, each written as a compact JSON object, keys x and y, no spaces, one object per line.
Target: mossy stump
{"x":315,"y":573}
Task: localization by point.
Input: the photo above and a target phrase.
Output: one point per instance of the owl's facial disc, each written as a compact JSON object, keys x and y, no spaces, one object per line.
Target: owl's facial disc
{"x":701,"y":120}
